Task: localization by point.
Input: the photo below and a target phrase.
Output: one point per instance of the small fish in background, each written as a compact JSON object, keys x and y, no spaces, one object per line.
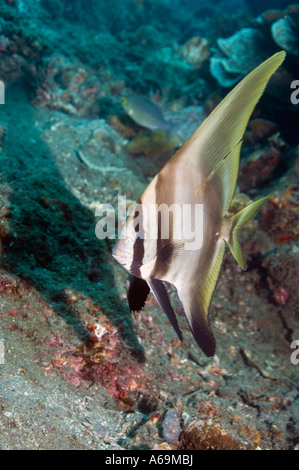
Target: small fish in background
{"x":203,"y":171}
{"x":147,"y":114}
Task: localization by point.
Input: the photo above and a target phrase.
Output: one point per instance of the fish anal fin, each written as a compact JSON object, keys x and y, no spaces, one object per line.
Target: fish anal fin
{"x":161,"y":295}
{"x":196,"y":299}
{"x":198,"y":320}
{"x":137,"y":292}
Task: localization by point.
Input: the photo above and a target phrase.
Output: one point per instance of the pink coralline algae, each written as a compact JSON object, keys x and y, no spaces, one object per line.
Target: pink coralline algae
{"x":280,"y":216}
{"x":68,"y":87}
{"x":281,"y":296}
{"x":100,"y":360}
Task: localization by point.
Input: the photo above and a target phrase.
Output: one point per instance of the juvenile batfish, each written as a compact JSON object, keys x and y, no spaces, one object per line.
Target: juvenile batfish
{"x":202,"y":172}
{"x":147,"y":114}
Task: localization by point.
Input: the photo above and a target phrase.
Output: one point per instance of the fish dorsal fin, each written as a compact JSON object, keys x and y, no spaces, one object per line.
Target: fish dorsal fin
{"x":223,"y":129}
{"x":196,"y":299}
{"x":224,"y":177}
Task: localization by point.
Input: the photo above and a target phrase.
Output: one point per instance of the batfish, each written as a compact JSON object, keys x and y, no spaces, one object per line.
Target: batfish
{"x":202,"y":173}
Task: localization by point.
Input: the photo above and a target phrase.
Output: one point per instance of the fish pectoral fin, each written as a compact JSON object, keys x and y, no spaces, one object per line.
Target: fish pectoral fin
{"x":137,"y":292}
{"x":170,"y":252}
{"x":161,"y":295}
{"x":196,"y":299}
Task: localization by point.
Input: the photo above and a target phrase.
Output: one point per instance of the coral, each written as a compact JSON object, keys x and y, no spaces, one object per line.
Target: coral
{"x":166,"y":68}
{"x":285,"y":33}
{"x":148,"y":403}
{"x":123,"y":125}
{"x":205,"y":435}
{"x":281,"y":270}
{"x":19,"y":56}
{"x":259,"y":129}
{"x":196,"y":51}
{"x":244,"y":50}
{"x":238,"y":55}
{"x":99,"y":360}
{"x":280,"y":217}
{"x":281,"y":296}
{"x":259,"y":167}
{"x":268,"y":17}
{"x":257,"y":6}
{"x":68,"y":86}
{"x":282,"y":26}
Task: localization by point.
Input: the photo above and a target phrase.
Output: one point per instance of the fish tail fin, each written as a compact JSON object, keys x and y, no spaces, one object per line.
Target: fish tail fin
{"x":235,"y":223}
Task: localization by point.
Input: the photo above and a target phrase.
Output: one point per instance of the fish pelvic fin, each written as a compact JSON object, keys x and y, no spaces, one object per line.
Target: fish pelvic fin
{"x":161,"y":295}
{"x":137,"y":292}
{"x":233,"y":225}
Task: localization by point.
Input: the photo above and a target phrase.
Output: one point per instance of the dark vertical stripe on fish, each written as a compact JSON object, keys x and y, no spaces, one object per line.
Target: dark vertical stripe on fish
{"x":160,"y":268}
{"x":138,"y":251}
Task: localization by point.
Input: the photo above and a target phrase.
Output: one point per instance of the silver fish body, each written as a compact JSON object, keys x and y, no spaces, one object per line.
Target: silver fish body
{"x":202,"y":174}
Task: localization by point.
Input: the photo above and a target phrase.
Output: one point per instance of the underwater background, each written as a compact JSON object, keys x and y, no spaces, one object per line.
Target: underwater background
{"x":78,"y":371}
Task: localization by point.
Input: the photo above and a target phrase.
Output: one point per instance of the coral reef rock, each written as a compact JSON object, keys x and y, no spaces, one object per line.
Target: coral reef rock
{"x":238,"y":55}
{"x":205,"y":435}
{"x":285,"y":33}
{"x":196,"y":51}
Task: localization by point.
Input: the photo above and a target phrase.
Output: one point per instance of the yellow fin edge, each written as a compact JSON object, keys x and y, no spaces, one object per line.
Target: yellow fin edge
{"x":235,"y":223}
